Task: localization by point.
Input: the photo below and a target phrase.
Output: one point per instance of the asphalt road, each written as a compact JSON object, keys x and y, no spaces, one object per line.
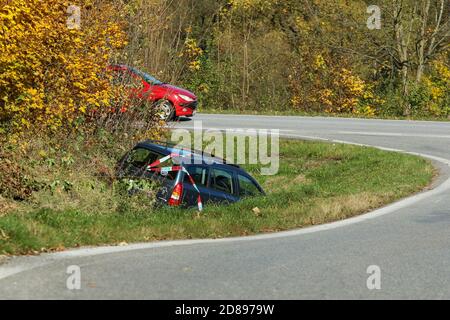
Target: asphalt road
{"x":410,"y":242}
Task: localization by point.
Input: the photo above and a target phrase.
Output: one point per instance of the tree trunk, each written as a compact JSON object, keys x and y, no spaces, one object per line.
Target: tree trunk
{"x":402,"y":40}
{"x":422,"y":41}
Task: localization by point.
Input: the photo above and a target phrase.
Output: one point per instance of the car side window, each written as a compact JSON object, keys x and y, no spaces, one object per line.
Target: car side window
{"x":247,"y":187}
{"x":222,"y":180}
{"x":199,"y":174}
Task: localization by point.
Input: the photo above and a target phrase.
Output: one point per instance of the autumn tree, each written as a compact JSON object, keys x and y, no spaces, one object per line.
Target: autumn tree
{"x":414,"y":35}
{"x":50,"y":67}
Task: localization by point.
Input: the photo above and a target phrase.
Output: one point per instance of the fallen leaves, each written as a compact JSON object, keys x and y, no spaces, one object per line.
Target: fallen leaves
{"x":256,"y":211}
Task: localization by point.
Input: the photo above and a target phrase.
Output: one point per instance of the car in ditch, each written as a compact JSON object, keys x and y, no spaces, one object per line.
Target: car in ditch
{"x":187,"y":178}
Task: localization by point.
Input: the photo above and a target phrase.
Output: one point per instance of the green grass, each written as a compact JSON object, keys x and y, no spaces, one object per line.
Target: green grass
{"x":269,"y":112}
{"x":317,"y":183}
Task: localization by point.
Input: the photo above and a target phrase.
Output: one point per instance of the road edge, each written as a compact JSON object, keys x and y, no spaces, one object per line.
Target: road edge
{"x":18,"y":264}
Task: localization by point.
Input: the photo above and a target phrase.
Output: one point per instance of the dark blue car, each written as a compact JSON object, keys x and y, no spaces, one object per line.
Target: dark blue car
{"x":217,"y":181}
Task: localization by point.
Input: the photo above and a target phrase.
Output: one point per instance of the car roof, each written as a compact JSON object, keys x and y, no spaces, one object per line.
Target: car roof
{"x":166,"y":148}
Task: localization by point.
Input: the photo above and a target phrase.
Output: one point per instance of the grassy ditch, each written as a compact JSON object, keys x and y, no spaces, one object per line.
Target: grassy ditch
{"x":317,"y":183}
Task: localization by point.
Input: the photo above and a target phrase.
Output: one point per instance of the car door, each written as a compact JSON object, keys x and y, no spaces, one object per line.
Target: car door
{"x":199,"y":174}
{"x":222,"y":186}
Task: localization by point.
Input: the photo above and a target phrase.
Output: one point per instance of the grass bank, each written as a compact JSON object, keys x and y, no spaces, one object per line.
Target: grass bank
{"x":317,"y":183}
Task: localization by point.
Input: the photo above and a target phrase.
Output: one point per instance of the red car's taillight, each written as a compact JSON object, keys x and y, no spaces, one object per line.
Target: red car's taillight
{"x":175,"y":198}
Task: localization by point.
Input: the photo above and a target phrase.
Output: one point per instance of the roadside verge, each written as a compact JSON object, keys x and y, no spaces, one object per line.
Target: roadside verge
{"x":441,"y":185}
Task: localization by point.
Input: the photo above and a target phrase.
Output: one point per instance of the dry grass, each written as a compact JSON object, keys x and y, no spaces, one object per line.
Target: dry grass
{"x":341,"y":207}
{"x":6,"y":206}
{"x":285,"y":183}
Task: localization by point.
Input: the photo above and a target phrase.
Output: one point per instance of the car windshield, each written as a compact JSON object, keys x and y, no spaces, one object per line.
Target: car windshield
{"x":148,"y":78}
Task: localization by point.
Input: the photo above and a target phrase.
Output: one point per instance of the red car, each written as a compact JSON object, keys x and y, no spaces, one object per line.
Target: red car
{"x":171,"y":101}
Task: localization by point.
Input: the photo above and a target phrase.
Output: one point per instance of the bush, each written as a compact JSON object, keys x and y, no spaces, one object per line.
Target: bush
{"x":69,"y":170}
{"x":15,"y":181}
{"x":50,"y":74}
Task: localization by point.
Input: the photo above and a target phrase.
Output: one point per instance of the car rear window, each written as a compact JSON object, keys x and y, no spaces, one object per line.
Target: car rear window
{"x":139,"y":158}
{"x":126,"y":79}
{"x":170,"y":175}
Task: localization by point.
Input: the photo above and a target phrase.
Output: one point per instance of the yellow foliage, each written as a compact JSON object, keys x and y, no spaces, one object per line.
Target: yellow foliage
{"x":334,"y":89}
{"x":437,"y":84}
{"x":50,"y":73}
{"x":192,"y":52}
{"x":319,"y":62}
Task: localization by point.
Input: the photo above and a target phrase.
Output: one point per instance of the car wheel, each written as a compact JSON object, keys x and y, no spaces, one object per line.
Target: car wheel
{"x":165,"y":110}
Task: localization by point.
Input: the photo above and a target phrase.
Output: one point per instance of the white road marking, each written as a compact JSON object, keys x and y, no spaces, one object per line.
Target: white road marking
{"x":392,"y":134}
{"x":330,"y":118}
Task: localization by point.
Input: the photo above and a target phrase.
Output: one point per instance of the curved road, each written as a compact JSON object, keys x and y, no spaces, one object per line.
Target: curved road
{"x":410,"y":241}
